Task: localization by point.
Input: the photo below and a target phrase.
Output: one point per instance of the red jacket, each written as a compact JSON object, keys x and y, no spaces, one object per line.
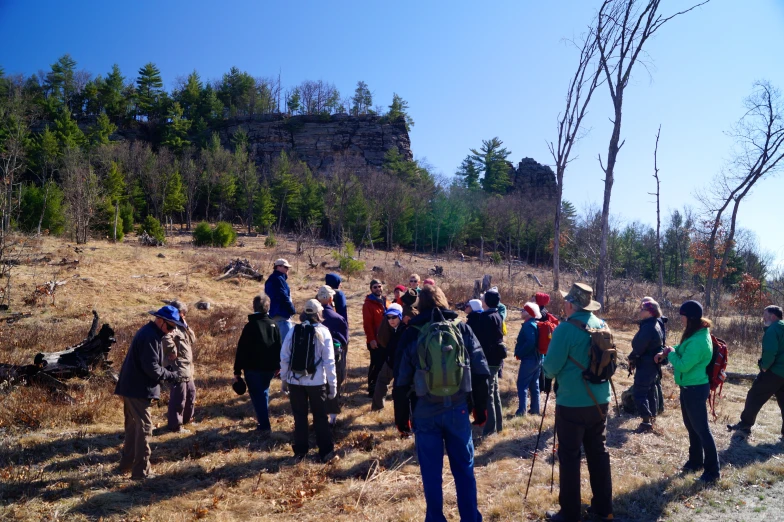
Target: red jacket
{"x":373,"y":315}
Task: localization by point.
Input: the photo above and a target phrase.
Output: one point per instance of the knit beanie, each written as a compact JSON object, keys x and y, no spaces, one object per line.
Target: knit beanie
{"x":533,"y":310}
{"x":691,"y":309}
{"x":375,"y":282}
{"x":542,"y":299}
{"x":492,"y":298}
{"x":394,"y":310}
{"x":475,"y":304}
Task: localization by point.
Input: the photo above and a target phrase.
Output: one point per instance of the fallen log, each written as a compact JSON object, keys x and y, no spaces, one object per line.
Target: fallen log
{"x":735,"y":376}
{"x":81,"y":360}
{"x":240,"y":268}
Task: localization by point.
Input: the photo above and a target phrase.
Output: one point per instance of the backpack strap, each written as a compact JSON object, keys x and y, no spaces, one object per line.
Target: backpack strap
{"x":583,"y":326}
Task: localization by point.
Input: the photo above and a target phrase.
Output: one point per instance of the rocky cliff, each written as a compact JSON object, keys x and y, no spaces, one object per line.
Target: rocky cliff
{"x":318,"y":140}
{"x":531,"y":177}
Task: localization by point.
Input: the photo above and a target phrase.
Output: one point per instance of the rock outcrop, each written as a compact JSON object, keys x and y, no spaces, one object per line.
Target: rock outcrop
{"x":531,"y":177}
{"x":318,"y":140}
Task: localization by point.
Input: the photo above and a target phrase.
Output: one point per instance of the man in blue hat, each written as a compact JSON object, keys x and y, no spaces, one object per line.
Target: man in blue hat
{"x":139,"y":384}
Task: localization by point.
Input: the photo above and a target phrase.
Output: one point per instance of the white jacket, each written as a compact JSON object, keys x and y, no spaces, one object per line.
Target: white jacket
{"x":325,"y":371}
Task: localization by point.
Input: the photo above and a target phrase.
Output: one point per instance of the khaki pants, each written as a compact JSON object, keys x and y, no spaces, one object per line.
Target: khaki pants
{"x":138,"y":430}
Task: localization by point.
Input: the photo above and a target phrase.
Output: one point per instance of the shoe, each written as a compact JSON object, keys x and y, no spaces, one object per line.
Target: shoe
{"x":740,"y":427}
{"x":604,"y":518}
{"x":299,"y":457}
{"x":330,"y":457}
{"x":691,"y":468}
{"x":557,"y":516}
{"x":710,"y":478}
{"x":644,"y":427}
{"x":119,"y":470}
{"x":534,"y":413}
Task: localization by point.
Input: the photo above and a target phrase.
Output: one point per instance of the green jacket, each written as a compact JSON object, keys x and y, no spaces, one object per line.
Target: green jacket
{"x":569,"y":340}
{"x":773,"y":349}
{"x":691,"y":358}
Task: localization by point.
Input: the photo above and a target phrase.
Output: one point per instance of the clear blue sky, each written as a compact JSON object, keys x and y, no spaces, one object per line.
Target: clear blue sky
{"x":469,"y":70}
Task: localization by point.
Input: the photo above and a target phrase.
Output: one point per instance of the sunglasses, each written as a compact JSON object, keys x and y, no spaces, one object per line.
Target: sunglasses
{"x":413,"y":281}
{"x":169,"y":326}
{"x":376,"y":286}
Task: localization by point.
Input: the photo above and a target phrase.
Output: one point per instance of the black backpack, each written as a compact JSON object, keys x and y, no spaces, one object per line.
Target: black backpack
{"x":303,"y":351}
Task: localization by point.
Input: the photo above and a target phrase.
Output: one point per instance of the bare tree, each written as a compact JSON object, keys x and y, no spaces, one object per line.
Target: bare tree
{"x":14,"y":131}
{"x":191,"y":174}
{"x":82,"y":192}
{"x":578,"y":95}
{"x":759,"y":137}
{"x":622,"y":29}
{"x":659,"y":261}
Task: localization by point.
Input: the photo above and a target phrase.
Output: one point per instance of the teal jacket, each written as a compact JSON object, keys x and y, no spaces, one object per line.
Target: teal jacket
{"x":691,"y":358}
{"x":773,"y":349}
{"x":569,"y":340}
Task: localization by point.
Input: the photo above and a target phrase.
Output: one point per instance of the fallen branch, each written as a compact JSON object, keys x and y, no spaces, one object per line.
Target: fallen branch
{"x":240,"y":268}
{"x":734,"y":376}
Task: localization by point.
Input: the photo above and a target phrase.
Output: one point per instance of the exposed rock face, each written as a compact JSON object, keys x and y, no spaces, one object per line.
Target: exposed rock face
{"x":534,"y":178}
{"x":317,"y":140}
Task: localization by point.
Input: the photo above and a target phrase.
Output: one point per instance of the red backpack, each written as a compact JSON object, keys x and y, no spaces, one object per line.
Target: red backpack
{"x":716,"y":371}
{"x":546,"y":327}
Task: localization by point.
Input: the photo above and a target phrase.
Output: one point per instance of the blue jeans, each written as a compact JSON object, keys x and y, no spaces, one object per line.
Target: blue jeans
{"x":453,"y":430}
{"x":258,"y":389}
{"x":702,"y":448}
{"x":284,"y":325}
{"x":495,"y":417}
{"x":528,"y":380}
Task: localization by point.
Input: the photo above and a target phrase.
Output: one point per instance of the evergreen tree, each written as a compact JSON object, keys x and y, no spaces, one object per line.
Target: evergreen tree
{"x":149,"y":89}
{"x":310,"y":204}
{"x":236,"y":91}
{"x":174,"y":200}
{"x":190,"y":96}
{"x":90,"y":98}
{"x":362,"y":99}
{"x":60,"y":84}
{"x":175,"y":135}
{"x":491,"y":160}
{"x":468,"y":173}
{"x":67,"y":132}
{"x":264,"y":209}
{"x":294,"y":102}
{"x":111,"y":95}
{"x":100,"y":132}
{"x":285,"y":187}
{"x":399,"y":109}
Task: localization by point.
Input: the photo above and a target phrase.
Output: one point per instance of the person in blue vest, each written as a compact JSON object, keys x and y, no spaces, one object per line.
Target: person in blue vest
{"x":527,"y":352}
{"x":277,"y":289}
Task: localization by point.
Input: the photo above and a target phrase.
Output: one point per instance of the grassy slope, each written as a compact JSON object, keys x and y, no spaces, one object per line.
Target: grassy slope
{"x":57,"y":460}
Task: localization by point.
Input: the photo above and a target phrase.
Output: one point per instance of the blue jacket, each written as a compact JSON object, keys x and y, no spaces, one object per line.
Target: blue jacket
{"x":277,"y":289}
{"x":339,"y":299}
{"x":142,"y":370}
{"x":527,"y":346}
{"x":408,"y":362}
{"x":336,"y":325}
{"x":649,"y":339}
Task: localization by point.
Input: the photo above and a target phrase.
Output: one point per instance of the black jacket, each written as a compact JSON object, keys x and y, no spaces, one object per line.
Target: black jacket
{"x":490,"y":333}
{"x":405,"y":400}
{"x":649,"y":339}
{"x":259,"y":346}
{"x":473,"y":320}
{"x":143,"y":368}
{"x":392,"y":344}
{"x":336,"y":325}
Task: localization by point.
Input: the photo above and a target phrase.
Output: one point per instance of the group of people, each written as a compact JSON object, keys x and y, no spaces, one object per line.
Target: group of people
{"x":444,"y":374}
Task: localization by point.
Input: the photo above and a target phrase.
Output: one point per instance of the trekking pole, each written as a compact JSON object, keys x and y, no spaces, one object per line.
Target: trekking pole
{"x":536,"y":449}
{"x":555,"y":437}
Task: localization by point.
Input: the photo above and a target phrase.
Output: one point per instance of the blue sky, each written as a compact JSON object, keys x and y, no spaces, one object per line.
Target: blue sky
{"x":469,"y":70}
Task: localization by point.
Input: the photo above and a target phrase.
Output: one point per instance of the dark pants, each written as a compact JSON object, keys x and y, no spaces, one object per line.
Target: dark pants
{"x":544,"y":382}
{"x":182,"y":399}
{"x":385,"y":377}
{"x":258,"y":389}
{"x":316,"y":397}
{"x":645,"y":396}
{"x":451,"y":429}
{"x":702,"y":447}
{"x":766,"y":385}
{"x":138,"y":431}
{"x":584,"y":427}
{"x":333,"y":405}
{"x":495,"y":417}
{"x":377,"y":359}
{"x":659,"y":392}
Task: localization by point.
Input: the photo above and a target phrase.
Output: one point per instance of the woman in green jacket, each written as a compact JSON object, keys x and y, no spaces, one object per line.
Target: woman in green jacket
{"x":689,"y":361}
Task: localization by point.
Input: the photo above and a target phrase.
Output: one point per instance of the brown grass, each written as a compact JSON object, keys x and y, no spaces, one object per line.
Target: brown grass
{"x":57,"y":460}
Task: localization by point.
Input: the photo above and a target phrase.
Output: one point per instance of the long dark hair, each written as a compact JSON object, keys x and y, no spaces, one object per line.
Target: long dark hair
{"x":694,"y":325}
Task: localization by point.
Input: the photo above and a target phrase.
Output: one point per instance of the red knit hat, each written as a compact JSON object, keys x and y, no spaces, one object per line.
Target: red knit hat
{"x":401,"y":288}
{"x":542,"y":299}
{"x":532,"y":309}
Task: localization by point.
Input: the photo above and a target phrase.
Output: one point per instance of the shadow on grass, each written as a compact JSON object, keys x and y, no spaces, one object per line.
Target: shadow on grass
{"x":741,"y":454}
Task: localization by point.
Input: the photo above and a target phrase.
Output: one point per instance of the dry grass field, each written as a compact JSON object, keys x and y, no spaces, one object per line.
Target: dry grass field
{"x":58,"y":460}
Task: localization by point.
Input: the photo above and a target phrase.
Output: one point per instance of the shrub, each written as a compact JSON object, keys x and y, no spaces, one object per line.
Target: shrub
{"x":126,"y":213}
{"x":224,"y":235}
{"x":153,"y":229}
{"x":496,"y":258}
{"x":202,"y":235}
{"x":270,"y":242}
{"x":348,"y":265}
{"x":32,"y":203}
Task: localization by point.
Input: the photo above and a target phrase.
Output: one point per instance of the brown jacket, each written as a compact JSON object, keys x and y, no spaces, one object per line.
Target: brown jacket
{"x":180,"y":343}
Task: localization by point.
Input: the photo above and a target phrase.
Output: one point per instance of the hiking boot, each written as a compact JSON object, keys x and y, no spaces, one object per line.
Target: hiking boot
{"x":604,"y":518}
{"x":330,"y":457}
{"x":299,"y":457}
{"x":710,"y":478}
{"x":644,"y":427}
{"x":691,"y":468}
{"x":741,"y":427}
{"x":558,"y":516}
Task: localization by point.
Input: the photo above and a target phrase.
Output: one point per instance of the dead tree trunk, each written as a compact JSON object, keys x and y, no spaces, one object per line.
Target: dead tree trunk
{"x":658,"y":217}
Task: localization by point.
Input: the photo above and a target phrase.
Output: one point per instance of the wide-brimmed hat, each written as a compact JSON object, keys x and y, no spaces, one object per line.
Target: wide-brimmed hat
{"x":581,"y":296}
{"x":281,"y":262}
{"x":169,"y":314}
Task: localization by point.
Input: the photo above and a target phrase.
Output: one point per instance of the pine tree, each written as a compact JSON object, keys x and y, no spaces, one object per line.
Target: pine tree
{"x":190,"y":96}
{"x":111,"y":95}
{"x":174,"y":200}
{"x":100,"y":132}
{"x":176,"y":131}
{"x":149,"y":89}
{"x":362,"y":99}
{"x":264,"y":209}
{"x":285,"y":187}
{"x":294,"y":102}
{"x":491,"y":159}
{"x":67,"y":132}
{"x":398,"y":109}
{"x":469,"y":173}
{"x":60,"y":83}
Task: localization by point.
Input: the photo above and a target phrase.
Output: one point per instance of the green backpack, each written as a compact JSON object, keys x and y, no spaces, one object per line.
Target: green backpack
{"x":443,"y":367}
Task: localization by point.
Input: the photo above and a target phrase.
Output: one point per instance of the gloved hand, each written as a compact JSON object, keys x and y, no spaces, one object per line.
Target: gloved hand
{"x":480,"y":417}
{"x":404,"y":429}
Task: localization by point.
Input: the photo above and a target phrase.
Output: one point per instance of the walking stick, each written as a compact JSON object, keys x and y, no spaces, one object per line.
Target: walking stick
{"x":555,"y":437}
{"x":536,"y":449}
